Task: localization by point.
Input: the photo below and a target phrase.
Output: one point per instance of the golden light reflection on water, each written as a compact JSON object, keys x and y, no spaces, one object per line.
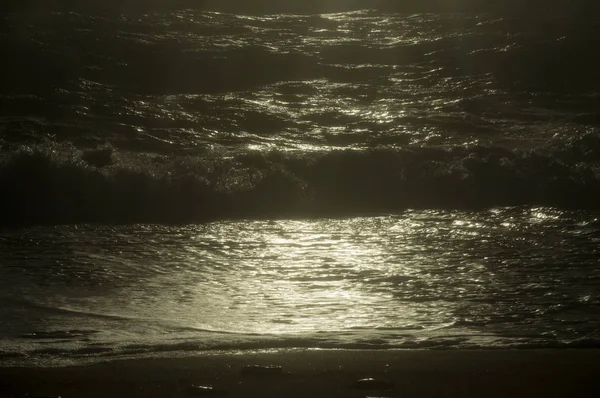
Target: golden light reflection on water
{"x":295,"y":276}
{"x":397,"y":278}
{"x":303,"y":273}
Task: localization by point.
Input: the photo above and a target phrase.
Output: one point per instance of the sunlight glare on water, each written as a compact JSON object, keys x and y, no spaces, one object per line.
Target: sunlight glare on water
{"x":395,"y":280}
{"x":292,"y":276}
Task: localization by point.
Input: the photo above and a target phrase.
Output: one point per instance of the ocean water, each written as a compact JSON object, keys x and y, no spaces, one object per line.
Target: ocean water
{"x":179,"y":182}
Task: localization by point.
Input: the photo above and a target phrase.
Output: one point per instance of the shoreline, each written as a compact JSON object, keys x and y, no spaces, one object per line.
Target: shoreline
{"x":323,"y":373}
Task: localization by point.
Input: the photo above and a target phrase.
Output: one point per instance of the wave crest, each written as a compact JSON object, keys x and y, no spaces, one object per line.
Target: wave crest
{"x":55,"y":184}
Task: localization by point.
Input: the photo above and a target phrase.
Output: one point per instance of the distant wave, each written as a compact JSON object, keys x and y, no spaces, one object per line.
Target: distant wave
{"x":104,"y":76}
{"x":531,"y":7}
{"x":220,"y":52}
{"x":61,"y":184}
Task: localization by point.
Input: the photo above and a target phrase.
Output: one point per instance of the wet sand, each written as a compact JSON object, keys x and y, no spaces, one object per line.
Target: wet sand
{"x":323,"y":373}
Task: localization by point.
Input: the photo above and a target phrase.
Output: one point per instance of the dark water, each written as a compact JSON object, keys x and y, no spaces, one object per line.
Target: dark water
{"x":214,"y":115}
{"x":179,"y":181}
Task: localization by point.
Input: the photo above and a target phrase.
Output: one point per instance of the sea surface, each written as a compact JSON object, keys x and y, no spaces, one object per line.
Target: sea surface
{"x":180,"y":182}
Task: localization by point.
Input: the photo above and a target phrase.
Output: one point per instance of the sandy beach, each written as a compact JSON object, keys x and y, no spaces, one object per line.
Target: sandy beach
{"x":323,"y":373}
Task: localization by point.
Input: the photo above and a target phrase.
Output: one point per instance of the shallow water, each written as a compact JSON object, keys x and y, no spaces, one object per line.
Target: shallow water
{"x":507,"y":277}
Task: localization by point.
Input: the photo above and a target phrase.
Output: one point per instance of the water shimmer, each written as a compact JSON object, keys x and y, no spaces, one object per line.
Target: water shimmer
{"x":420,"y":279}
{"x":176,"y":182}
{"x":207,"y":116}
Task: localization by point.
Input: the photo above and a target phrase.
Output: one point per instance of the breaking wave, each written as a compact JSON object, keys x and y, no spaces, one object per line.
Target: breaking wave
{"x":58,"y":183}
